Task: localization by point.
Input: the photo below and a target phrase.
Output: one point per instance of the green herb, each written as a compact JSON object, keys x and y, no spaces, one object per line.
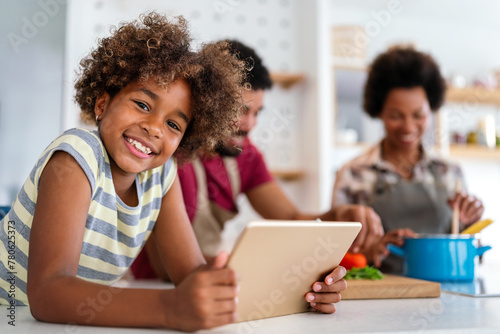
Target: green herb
{"x":367,"y":272}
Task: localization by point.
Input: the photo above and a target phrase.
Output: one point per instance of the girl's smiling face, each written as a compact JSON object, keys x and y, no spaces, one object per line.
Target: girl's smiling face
{"x":142,"y":126}
{"x":406,"y":115}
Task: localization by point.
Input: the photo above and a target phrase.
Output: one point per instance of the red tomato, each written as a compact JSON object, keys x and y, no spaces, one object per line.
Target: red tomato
{"x":351,"y":260}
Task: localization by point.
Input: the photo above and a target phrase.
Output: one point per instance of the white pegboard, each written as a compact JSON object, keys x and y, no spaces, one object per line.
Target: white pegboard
{"x":250,"y":21}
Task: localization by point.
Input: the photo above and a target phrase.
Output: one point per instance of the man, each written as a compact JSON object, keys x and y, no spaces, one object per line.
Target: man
{"x":210,"y":185}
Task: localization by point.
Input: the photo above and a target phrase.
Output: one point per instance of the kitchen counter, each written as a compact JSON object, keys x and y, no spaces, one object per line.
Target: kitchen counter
{"x":450,"y":313}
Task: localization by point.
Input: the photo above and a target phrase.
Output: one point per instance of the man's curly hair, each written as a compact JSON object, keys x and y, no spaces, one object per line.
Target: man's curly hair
{"x":155,"y":46}
{"x":402,"y":67}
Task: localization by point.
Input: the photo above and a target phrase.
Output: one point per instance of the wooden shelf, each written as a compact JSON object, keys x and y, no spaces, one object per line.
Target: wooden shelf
{"x":473,"y":95}
{"x":288,"y":175}
{"x":474,"y":151}
{"x":286,"y":79}
{"x":349,"y":64}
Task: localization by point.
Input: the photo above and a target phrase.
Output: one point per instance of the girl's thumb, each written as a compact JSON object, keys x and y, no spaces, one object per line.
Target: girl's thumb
{"x":219,"y":261}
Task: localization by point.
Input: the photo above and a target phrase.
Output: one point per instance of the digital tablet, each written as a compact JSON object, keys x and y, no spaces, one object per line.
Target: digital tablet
{"x":277,"y":262}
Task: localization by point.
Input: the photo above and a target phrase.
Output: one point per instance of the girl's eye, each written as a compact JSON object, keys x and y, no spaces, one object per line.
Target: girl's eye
{"x":173,"y":125}
{"x":142,"y":105}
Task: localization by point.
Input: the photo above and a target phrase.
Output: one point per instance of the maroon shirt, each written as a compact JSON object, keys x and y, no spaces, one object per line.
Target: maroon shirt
{"x":252,"y":169}
{"x":253,"y":172}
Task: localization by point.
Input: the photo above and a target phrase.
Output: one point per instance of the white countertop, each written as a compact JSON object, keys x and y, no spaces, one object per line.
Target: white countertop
{"x":451,"y":313}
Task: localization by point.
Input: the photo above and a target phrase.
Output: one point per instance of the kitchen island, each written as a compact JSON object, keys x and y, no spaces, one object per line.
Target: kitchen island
{"x":450,"y":313}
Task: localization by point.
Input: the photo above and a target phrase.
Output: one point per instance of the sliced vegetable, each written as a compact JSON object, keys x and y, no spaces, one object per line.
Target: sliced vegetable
{"x":352,"y":260}
{"x":367,"y":272}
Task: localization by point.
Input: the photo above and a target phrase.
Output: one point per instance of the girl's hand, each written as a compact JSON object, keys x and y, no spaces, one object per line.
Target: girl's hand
{"x":379,"y":251}
{"x":470,"y":207}
{"x":328,"y":292}
{"x":206,"y":298}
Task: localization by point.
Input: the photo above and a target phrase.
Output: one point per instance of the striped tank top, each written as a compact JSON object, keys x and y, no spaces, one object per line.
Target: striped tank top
{"x":114,"y":232}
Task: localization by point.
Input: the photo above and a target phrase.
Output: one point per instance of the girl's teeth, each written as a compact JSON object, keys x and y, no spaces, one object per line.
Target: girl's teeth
{"x":139,"y":146}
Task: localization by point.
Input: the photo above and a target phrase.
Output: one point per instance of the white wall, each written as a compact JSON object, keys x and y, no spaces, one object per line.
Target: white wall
{"x":31,"y":71}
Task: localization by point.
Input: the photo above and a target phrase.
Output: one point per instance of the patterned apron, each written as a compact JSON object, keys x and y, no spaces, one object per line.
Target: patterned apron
{"x":415,"y":205}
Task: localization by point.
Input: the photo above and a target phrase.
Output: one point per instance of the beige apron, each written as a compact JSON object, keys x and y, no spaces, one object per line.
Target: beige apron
{"x":209,"y":218}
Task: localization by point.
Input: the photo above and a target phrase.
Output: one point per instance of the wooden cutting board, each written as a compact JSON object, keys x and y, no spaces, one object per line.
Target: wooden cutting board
{"x":391,"y":286}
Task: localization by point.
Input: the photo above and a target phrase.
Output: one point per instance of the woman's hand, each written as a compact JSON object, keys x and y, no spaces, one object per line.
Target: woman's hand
{"x":470,"y":207}
{"x":378,"y":252}
{"x":326,"y":293}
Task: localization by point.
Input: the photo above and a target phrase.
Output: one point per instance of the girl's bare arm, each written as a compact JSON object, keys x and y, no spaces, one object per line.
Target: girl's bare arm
{"x":55,"y":293}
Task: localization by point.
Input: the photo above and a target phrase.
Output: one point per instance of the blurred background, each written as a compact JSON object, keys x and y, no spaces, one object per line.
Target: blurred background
{"x":318,"y":52}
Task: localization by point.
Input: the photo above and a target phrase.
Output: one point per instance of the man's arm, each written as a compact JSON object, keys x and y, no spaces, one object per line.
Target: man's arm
{"x":271,"y":203}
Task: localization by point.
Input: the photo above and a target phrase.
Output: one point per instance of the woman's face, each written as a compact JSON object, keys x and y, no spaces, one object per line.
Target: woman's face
{"x":406,"y":116}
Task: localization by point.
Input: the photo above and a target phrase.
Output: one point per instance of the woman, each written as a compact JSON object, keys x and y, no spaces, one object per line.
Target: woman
{"x":398,"y":178}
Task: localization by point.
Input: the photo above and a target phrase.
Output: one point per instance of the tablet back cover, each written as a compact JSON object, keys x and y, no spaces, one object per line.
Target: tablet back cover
{"x":277,"y":262}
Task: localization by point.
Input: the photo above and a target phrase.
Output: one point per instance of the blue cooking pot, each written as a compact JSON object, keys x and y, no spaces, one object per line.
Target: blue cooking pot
{"x":440,"y":257}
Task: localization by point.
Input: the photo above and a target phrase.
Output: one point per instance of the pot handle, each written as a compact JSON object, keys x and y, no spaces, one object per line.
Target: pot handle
{"x":481,"y":250}
{"x":396,"y":250}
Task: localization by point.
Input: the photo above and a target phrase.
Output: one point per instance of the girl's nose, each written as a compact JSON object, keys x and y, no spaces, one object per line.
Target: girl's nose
{"x":153,"y":126}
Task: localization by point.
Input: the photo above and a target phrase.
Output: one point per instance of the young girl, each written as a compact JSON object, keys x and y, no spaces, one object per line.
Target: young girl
{"x":94,"y":197}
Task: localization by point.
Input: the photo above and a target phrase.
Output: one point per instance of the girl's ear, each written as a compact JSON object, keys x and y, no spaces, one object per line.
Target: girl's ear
{"x":101,"y":104}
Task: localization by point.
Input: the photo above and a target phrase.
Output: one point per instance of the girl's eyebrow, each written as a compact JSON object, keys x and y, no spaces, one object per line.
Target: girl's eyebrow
{"x":183,"y":116}
{"x":156,"y":97}
{"x":149,"y":93}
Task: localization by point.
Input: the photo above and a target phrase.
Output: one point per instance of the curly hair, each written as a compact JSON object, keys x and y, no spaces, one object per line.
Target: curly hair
{"x":157,"y":47}
{"x":402,"y":67}
{"x":258,"y":75}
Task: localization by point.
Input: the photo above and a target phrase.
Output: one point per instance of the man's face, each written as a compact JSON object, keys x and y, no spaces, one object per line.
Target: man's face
{"x":252,"y":105}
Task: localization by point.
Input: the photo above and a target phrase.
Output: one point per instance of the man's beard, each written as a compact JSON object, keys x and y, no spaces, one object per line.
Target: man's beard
{"x":228,"y":150}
